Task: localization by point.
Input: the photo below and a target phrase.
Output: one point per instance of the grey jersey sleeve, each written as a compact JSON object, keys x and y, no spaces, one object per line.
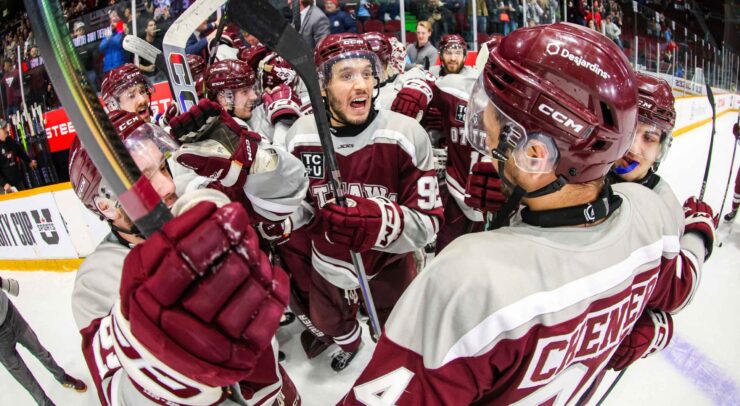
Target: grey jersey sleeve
{"x":277,"y":186}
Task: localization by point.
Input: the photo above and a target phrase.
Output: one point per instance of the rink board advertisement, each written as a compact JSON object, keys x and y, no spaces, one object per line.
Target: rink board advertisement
{"x":32,"y":228}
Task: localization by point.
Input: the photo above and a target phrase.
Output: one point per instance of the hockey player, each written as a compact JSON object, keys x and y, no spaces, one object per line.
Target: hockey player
{"x":394,"y":205}
{"x":735,"y":197}
{"x":172,"y":319}
{"x":531,"y":313}
{"x":447,"y":99}
{"x":224,"y":156}
{"x":126,"y":88}
{"x":452,"y":52}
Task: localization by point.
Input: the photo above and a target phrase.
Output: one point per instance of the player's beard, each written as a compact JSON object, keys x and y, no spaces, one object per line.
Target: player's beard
{"x":337,"y":110}
{"x":453,"y":67}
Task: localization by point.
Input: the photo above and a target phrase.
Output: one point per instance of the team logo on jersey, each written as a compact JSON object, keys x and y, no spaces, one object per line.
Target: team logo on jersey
{"x":460,"y":111}
{"x":314,"y":163}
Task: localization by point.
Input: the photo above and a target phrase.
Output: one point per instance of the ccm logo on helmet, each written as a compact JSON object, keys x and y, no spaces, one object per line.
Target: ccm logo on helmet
{"x":561,"y":118}
{"x":644,"y":104}
{"x":553,"y":48}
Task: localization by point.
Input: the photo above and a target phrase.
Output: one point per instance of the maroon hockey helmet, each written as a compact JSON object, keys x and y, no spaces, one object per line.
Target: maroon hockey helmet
{"x":230,"y":74}
{"x":86,"y":180}
{"x":564,"y":86}
{"x":253,"y":55}
{"x":452,"y":41}
{"x":656,"y":101}
{"x":232,"y":36}
{"x":197,"y":67}
{"x":119,"y":80}
{"x":337,"y":47}
{"x":380,"y":44}
{"x":275,"y":70}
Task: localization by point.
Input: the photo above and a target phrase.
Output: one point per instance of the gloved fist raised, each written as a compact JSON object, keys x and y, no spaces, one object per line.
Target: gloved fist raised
{"x":10,"y":285}
{"x":282,"y":103}
{"x":652,"y":333}
{"x":413,"y":98}
{"x":364,"y":224}
{"x":483,"y":189}
{"x":699,"y":219}
{"x":169,"y":114}
{"x":192,"y":125}
{"x":201,"y":297}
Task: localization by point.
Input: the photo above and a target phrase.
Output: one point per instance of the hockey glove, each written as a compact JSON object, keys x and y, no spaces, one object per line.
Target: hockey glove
{"x":736,"y":131}
{"x":365,"y":224}
{"x":483,"y":190}
{"x":201,"y":297}
{"x":652,"y":333}
{"x":282,"y":104}
{"x":191,"y":125}
{"x":10,"y":285}
{"x":700,"y":219}
{"x":413,"y":98}
{"x":169,"y":115}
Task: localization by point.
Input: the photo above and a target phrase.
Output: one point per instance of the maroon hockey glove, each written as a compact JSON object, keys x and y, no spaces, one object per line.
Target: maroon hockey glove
{"x":700,"y":219}
{"x":483,"y":190}
{"x":432,"y":119}
{"x":413,"y":98}
{"x":736,"y":131}
{"x":363,"y":225}
{"x":201,"y":296}
{"x":170,"y":114}
{"x":282,"y":103}
{"x":652,"y":333}
{"x":188,"y":126}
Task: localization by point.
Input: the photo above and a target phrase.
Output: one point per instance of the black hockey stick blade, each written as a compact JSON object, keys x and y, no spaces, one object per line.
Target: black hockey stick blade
{"x":262,"y":20}
{"x":94,"y":129}
{"x":216,"y":40}
{"x":710,"y":96}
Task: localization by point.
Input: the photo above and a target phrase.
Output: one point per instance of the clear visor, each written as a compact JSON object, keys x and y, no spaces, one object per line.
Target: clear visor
{"x":150,"y":147}
{"x":648,"y":143}
{"x":352,"y":66}
{"x":493,"y":133}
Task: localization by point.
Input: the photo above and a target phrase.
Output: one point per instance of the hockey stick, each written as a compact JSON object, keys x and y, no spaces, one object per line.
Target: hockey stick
{"x":261,"y":19}
{"x":217,"y":38}
{"x":710,"y":96}
{"x":105,"y":147}
{"x":173,"y":45}
{"x":139,"y":46}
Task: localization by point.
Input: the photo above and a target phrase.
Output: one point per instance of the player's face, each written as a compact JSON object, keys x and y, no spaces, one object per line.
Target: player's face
{"x":244,"y":101}
{"x":136,"y":100}
{"x":453,"y":59}
{"x":350,"y":90}
{"x":644,"y":151}
{"x":152,"y":164}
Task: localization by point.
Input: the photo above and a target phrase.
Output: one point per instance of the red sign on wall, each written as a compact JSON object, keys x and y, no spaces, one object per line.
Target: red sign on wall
{"x":60,"y":132}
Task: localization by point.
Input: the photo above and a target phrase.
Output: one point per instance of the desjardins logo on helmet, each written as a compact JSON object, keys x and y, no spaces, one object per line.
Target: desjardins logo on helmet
{"x":554,"y":48}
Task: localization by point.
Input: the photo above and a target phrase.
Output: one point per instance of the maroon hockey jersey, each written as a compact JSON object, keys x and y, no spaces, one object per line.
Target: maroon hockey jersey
{"x":390,"y":158}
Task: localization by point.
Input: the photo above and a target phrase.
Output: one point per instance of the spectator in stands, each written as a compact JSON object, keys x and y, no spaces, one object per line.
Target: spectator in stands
{"x":85,"y":53}
{"x":389,"y":9}
{"x":314,"y":25}
{"x":339,"y":20}
{"x":12,"y":86}
{"x":422,"y":53}
{"x":593,"y":17}
{"x":112,"y":45}
{"x":534,"y":13}
{"x":10,"y":155}
{"x":576,"y":12}
{"x":613,"y":31}
{"x":481,"y":16}
{"x":504,"y":10}
{"x":153,"y":71}
{"x":198,"y":42}
{"x":363,"y":11}
{"x":443,"y":22}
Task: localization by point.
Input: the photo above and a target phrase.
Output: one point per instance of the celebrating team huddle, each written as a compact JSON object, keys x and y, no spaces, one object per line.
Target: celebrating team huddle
{"x":515,"y":235}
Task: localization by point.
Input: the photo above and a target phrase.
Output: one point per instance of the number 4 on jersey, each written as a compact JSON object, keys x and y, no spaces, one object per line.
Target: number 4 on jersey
{"x":385,"y":390}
